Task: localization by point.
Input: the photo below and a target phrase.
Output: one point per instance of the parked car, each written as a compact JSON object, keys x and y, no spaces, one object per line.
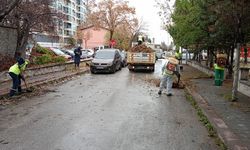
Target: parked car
{"x":59,"y":52}
{"x":88,"y":52}
{"x":158,"y":53}
{"x":69,"y":52}
{"x":124,"y":58}
{"x":84,"y":54}
{"x":106,"y":60}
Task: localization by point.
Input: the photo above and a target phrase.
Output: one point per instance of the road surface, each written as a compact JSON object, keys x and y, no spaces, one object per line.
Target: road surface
{"x":118,"y":111}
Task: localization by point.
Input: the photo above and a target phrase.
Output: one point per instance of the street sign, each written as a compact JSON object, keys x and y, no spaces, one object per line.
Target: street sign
{"x":112,"y":42}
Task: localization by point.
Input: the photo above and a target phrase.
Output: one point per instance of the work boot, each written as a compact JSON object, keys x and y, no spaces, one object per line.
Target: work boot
{"x":159,"y":92}
{"x":19,"y":89}
{"x":12,"y":92}
{"x":169,"y":94}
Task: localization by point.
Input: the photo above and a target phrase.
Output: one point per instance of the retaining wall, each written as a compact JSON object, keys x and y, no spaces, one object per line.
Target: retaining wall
{"x":44,"y":69}
{"x":201,"y":68}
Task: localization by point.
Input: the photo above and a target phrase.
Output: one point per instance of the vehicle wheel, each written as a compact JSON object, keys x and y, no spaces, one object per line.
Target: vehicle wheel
{"x":120,"y":66}
{"x":113,"y":70}
{"x":92,"y":71}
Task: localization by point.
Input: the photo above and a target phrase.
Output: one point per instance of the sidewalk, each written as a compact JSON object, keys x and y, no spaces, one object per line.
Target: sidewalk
{"x":41,"y":79}
{"x":230,"y":119}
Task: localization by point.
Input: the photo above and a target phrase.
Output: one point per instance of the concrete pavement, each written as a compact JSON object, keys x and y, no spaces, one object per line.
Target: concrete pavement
{"x":231,"y":119}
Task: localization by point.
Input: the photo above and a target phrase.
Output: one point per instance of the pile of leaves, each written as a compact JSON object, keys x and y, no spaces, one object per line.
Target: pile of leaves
{"x":41,"y":55}
{"x":141,"y":48}
{"x":6,"y":61}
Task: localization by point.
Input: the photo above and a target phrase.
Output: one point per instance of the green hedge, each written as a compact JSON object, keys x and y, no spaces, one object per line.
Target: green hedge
{"x":44,"y":59}
{"x":59,"y":59}
{"x":43,"y":50}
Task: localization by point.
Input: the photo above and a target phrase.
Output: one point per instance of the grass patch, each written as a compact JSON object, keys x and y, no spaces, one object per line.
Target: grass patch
{"x":202,"y":118}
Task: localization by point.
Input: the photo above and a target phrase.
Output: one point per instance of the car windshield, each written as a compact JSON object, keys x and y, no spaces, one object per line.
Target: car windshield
{"x":58,"y":51}
{"x":158,"y":51}
{"x":104,"y":54}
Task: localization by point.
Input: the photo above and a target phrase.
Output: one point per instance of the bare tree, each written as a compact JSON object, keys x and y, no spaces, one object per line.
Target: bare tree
{"x":34,"y":15}
{"x":6,"y":6}
{"x":110,"y":14}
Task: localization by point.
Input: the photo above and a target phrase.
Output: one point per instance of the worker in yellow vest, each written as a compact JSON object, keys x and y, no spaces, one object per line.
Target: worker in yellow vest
{"x":15,"y":73}
{"x":168,"y":72}
{"x":219,"y":68}
{"x":178,"y":56}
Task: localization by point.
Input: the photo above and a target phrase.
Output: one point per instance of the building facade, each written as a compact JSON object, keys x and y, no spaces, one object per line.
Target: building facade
{"x":94,"y":37}
{"x":73,"y":14}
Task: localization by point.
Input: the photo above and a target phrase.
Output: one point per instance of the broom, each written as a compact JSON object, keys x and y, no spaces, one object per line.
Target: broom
{"x":27,"y":89}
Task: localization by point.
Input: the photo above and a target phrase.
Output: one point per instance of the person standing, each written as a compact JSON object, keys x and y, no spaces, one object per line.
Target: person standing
{"x":219,"y":68}
{"x":168,"y":71}
{"x":15,"y":73}
{"x":78,"y":53}
{"x":178,"y":56}
{"x":140,"y":39}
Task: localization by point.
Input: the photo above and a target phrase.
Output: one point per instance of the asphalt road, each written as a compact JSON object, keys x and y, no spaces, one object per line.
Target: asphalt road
{"x":118,"y":111}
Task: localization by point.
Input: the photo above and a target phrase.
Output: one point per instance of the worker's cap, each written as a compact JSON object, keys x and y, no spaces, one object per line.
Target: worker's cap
{"x":173,"y":60}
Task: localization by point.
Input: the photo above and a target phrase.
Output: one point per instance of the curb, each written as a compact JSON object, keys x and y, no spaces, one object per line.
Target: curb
{"x":39,"y":83}
{"x":231,"y":140}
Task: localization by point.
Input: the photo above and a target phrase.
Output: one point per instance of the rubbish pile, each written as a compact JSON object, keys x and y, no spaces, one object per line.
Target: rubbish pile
{"x":141,"y":48}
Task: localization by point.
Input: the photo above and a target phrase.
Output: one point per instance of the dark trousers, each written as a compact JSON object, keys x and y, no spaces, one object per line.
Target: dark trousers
{"x":16,"y":84}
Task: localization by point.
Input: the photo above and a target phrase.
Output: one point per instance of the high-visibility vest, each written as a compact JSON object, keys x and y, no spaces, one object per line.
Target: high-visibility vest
{"x":218,"y":67}
{"x":178,"y":55}
{"x":18,"y":69}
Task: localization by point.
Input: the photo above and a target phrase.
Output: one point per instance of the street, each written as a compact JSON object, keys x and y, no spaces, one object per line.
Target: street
{"x":118,"y":111}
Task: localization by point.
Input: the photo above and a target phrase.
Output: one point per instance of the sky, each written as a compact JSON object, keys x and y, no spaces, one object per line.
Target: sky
{"x":148,"y":12}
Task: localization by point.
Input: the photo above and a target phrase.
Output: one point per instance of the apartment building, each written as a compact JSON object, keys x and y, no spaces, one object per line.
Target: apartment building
{"x":73,"y":12}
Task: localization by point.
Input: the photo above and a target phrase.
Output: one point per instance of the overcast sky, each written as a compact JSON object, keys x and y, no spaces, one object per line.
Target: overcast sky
{"x":147,"y":10}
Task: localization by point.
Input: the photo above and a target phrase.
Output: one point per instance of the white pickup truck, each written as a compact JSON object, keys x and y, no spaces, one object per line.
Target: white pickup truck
{"x":141,"y":61}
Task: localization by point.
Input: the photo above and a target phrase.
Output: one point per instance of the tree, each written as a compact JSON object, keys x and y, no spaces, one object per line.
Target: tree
{"x":86,"y":36}
{"x":31,"y":16}
{"x":110,"y":14}
{"x":6,"y":6}
{"x":212,"y":25}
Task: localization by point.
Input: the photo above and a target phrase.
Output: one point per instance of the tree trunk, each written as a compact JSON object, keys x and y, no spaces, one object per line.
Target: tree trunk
{"x":111,"y":35}
{"x":22,"y":40}
{"x":236,"y":73}
{"x":230,"y":68}
{"x":208,"y":57}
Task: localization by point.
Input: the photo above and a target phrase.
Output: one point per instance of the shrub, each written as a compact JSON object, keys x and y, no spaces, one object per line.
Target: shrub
{"x":44,"y":59}
{"x":59,"y":59}
{"x":43,"y":50}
